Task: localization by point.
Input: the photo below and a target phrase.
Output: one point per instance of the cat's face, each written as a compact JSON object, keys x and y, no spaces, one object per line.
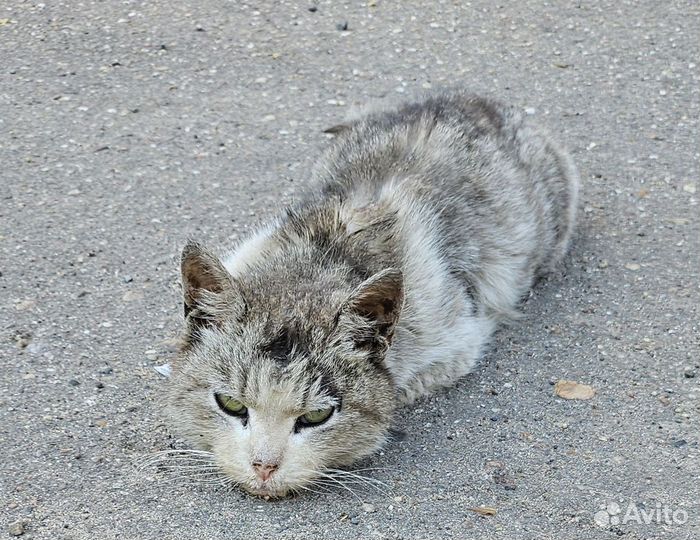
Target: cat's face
{"x":275,"y":392}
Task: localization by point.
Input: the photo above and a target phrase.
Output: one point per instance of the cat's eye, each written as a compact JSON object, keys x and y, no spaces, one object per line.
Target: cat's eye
{"x":230,"y":406}
{"x":315,"y":418}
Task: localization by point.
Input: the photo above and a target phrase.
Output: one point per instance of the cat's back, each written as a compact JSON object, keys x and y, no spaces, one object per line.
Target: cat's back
{"x":487,"y":177}
{"x":417,"y":139}
{"x":450,"y":145}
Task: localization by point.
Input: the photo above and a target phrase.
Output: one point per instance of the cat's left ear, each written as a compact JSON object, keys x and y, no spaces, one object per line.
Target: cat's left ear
{"x":209,"y":293}
{"x":338,"y":129}
{"x":377,"y":301}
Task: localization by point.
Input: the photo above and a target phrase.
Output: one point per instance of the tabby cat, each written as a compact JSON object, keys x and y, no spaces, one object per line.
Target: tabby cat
{"x":422,"y":229}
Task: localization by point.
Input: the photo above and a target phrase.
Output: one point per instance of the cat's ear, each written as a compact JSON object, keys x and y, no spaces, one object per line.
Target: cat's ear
{"x":377,"y":303}
{"x":209,"y":292}
{"x":338,"y":129}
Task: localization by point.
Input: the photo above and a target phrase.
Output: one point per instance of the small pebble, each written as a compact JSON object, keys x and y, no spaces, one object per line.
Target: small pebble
{"x":130,"y":296}
{"x":16,"y":528}
{"x":689,"y":373}
{"x":369,"y":508}
{"x":165,"y":370}
{"x":74,"y":382}
{"x":36,"y":347}
{"x":25,"y":305}
{"x":22,"y":342}
{"x":313,"y":9}
{"x":342,"y":26}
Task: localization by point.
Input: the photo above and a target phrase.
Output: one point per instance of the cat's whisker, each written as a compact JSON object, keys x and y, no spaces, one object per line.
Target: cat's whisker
{"x":193,"y":461}
{"x":229,"y":483}
{"x":162,"y":456}
{"x":190,"y":480}
{"x":182,"y":456}
{"x":353,"y":473}
{"x":187,"y":469}
{"x":209,"y":473}
{"x":165,"y":464}
{"x":172,"y":465}
{"x":359,"y":479}
{"x":212,"y":482}
{"x":350,"y":480}
{"x":347,"y":488}
{"x":307,"y":488}
{"x":177,"y":458}
{"x":195,"y":467}
{"x":327,"y":479}
{"x":184,"y":460}
{"x":181,"y":451}
{"x":370,"y":469}
{"x":363,"y":485}
{"x":185,"y":466}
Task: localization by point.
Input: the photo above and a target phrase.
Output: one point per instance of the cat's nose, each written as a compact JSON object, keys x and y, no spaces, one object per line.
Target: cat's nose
{"x":264,"y":470}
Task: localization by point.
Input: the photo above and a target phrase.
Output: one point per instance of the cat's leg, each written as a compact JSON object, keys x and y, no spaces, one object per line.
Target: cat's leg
{"x":457,"y":353}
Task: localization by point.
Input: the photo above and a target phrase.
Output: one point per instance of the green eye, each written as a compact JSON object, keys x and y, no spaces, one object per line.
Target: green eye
{"x":314,"y":418}
{"x":230,"y":406}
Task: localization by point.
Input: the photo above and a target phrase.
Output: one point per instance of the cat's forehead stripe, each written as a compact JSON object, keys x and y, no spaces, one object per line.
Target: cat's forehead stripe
{"x":285,"y":343}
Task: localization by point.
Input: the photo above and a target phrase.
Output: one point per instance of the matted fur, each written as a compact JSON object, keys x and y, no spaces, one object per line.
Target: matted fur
{"x":423,"y":228}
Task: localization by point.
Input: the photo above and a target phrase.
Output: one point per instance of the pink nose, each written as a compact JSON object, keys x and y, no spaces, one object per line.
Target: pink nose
{"x":264,"y":470}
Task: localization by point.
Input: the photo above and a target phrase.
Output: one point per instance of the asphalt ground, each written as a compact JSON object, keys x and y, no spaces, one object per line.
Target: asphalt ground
{"x":127,"y":127}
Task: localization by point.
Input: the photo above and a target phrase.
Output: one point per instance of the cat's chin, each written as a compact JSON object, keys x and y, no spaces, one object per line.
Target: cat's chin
{"x":268,"y":493}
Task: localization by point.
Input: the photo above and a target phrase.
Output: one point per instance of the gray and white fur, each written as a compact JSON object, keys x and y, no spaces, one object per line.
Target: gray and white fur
{"x":421,"y":231}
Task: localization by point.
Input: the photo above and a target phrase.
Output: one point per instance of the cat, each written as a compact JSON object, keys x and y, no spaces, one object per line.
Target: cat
{"x":422,"y":230}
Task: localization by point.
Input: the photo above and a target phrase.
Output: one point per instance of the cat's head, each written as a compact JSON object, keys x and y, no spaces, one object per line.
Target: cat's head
{"x":282,"y":375}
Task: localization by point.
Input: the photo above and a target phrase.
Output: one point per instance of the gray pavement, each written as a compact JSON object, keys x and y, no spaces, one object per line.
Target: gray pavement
{"x":127,"y":127}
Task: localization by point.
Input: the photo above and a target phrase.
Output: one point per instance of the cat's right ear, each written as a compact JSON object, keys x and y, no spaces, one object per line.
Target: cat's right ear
{"x":209,"y":292}
{"x":372,"y":311}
